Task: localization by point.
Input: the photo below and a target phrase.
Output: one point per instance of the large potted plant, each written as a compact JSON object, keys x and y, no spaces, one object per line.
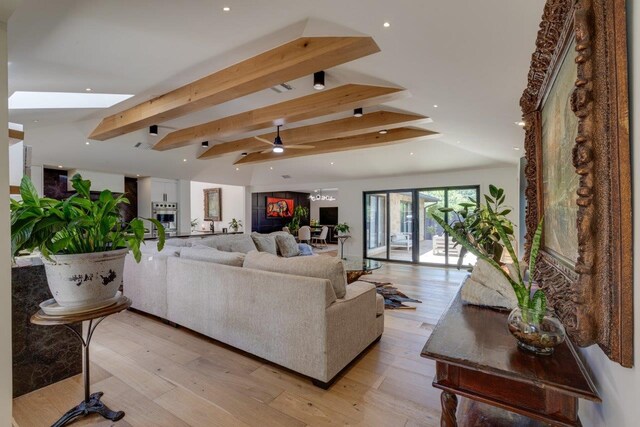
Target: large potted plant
{"x":300,"y":213}
{"x":532,"y":323}
{"x":83,"y":242}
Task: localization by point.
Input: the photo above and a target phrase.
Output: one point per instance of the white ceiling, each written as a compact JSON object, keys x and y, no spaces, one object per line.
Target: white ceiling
{"x":469,"y":57}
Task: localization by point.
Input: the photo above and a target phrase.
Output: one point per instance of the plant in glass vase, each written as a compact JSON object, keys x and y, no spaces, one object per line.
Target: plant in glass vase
{"x":536,"y":327}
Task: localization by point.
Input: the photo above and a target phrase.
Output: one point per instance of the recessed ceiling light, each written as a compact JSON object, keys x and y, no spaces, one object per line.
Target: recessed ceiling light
{"x":386,"y":25}
{"x":457,"y":142}
{"x":184,"y":160}
{"x":35,"y":121}
{"x":226,"y":9}
{"x":520,"y":123}
{"x":237,"y":169}
{"x":88,"y":89}
{"x":435,"y":105}
{"x":137,"y":174}
{"x":516,"y":148}
{"x":331,"y":162}
{"x":411,"y":154}
{"x":87,"y":143}
{"x":22,"y":100}
{"x":271,"y":167}
{"x":59,"y":166}
{"x":383,"y":132}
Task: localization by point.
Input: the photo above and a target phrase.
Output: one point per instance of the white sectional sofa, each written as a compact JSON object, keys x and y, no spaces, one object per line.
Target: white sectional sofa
{"x":283,"y":310}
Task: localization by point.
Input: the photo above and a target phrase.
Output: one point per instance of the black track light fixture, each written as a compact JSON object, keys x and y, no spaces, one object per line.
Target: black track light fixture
{"x":205,"y":143}
{"x":278,"y":147}
{"x":153,"y":130}
{"x":357,"y":112}
{"x":318,"y":80}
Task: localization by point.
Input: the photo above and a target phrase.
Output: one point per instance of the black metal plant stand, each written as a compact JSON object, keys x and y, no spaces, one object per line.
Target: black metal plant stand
{"x":91,"y":403}
{"x":342,"y":238}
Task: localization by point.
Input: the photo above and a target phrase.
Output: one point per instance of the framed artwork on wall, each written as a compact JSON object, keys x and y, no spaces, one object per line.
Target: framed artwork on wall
{"x":213,"y":204}
{"x":279,"y":208}
{"x":578,"y":171}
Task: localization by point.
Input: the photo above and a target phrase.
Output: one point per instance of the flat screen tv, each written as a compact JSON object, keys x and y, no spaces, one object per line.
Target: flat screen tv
{"x":329,"y":216}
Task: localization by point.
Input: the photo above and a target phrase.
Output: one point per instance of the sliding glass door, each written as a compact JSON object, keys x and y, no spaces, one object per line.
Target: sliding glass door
{"x":399,"y":225}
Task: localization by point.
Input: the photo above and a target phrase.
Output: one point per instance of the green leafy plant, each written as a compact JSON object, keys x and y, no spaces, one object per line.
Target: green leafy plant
{"x":300,"y":213}
{"x":535,"y":302}
{"x":235,"y":224}
{"x":194,"y":222}
{"x":342,"y":227}
{"x":75,"y":225}
{"x":479,"y":223}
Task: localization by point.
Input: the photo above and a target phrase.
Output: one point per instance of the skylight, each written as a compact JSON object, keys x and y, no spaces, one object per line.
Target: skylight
{"x":22,"y":100}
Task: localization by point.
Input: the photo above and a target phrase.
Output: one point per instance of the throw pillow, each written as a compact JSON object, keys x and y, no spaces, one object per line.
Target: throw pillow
{"x":322,"y":267}
{"x":205,"y":253}
{"x":265,"y":243}
{"x":177,"y":242}
{"x":287,"y":245}
{"x":305,"y":250}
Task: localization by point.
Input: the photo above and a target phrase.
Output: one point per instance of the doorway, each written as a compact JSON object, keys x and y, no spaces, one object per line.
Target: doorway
{"x":399,"y":225}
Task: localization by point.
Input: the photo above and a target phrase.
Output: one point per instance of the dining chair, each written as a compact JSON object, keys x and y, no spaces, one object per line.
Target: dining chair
{"x":304,"y":234}
{"x":322,"y":237}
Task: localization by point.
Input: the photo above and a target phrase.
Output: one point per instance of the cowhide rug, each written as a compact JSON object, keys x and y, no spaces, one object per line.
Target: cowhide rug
{"x":393,"y":298}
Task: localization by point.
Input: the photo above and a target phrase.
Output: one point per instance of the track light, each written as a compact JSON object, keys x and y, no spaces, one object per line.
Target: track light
{"x":244,"y":154}
{"x":153,"y":130}
{"x":383,"y":132}
{"x":205,"y":143}
{"x":357,"y":112}
{"x":318,"y":80}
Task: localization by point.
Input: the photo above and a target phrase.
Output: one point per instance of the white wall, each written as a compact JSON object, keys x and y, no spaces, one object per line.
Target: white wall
{"x":350,"y":200}
{"x":5,"y":239}
{"x":619,"y":387}
{"x":233,"y":204}
{"x":99,"y":180}
{"x":16,"y":163}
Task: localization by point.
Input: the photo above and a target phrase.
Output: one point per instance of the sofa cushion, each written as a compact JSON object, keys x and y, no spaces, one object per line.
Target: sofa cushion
{"x":230,"y":243}
{"x":205,"y":253}
{"x":177,"y":242}
{"x":305,"y":249}
{"x":287,"y":245}
{"x":322,"y":267}
{"x":265,"y":243}
{"x":379,"y":304}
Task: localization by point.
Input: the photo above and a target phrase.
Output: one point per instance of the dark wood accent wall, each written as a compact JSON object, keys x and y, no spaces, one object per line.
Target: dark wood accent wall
{"x":55,"y":187}
{"x":259,"y":220}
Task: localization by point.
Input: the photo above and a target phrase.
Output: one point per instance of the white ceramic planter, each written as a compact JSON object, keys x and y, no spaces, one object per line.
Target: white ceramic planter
{"x":85,"y":279}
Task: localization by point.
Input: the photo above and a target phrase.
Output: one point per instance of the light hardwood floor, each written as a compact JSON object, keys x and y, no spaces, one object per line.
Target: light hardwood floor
{"x":165,"y":376}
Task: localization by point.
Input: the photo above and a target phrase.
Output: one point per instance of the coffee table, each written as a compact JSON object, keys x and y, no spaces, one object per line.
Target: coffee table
{"x":357,"y":267}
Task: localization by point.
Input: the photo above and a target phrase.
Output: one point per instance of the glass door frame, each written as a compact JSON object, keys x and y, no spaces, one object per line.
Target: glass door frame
{"x":415,"y":226}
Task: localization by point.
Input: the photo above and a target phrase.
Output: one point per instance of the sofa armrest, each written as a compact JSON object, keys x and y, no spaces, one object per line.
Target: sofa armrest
{"x":145,"y":283}
{"x":352,"y":326}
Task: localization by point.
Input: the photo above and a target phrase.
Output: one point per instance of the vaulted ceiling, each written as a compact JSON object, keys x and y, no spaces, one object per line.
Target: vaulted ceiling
{"x":468,"y":58}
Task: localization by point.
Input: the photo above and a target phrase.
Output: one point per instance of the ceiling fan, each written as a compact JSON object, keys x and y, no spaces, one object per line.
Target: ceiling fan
{"x":278,"y":147}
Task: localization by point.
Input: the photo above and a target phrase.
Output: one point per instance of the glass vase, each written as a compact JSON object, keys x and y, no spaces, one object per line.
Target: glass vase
{"x":536,"y":332}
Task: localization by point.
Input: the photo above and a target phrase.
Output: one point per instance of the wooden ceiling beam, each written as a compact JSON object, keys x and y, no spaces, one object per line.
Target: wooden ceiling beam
{"x":318,"y":104}
{"x":351,"y":126}
{"x":15,"y":136}
{"x":393,"y":136}
{"x":290,"y":61}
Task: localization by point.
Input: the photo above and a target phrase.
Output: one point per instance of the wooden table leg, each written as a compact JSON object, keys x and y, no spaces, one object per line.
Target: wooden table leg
{"x":449,"y":403}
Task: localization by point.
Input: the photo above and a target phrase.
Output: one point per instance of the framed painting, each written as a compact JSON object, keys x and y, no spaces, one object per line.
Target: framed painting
{"x":213,"y":204}
{"x":578,"y":171}
{"x":279,"y":208}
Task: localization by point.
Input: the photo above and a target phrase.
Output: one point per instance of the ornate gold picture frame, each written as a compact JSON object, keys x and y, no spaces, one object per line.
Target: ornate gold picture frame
{"x":213,"y":204}
{"x":586,"y":264}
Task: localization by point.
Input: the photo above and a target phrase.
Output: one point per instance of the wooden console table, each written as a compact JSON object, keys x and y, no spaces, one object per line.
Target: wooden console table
{"x":500,"y":385}
{"x":91,"y":403}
